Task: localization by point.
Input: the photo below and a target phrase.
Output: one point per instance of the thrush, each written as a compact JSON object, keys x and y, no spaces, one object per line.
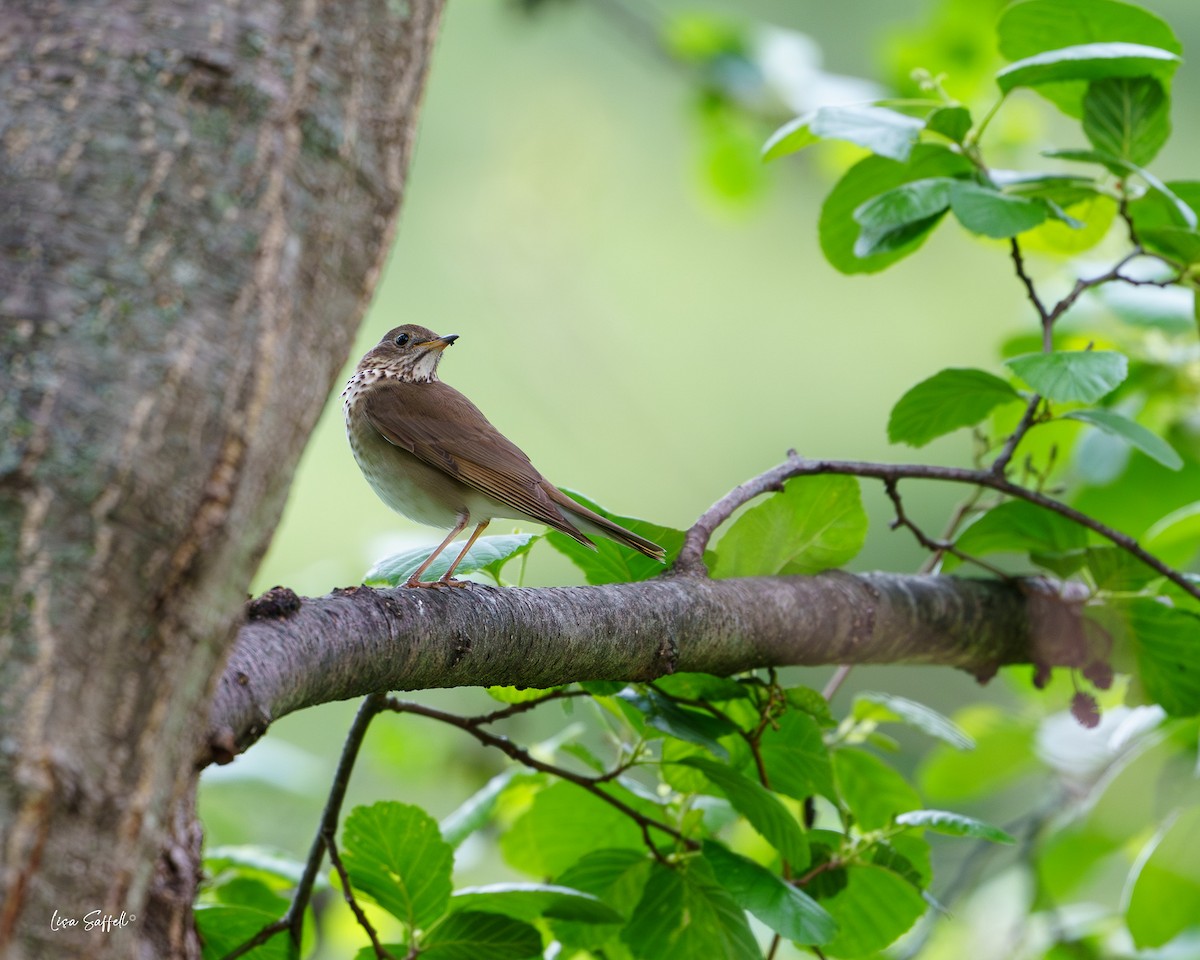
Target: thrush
{"x":431,"y":455}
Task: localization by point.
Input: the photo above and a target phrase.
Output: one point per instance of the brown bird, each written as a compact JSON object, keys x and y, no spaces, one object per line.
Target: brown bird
{"x":429,"y":453}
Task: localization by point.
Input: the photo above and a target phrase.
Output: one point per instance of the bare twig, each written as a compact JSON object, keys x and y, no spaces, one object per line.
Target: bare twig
{"x":293,"y":920}
{"x":591,"y":784}
{"x":1010,"y":445}
{"x":516,"y":708}
{"x":1023,"y":275}
{"x":965,"y":506}
{"x":691,"y":556}
{"x":1082,"y":285}
{"x":934,"y":546}
{"x":380,"y":950}
{"x":836,"y":681}
{"x":697,"y":537}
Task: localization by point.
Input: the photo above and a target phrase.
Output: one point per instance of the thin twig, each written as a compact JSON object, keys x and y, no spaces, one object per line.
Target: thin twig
{"x":690,"y":560}
{"x":691,"y":555}
{"x":1083,"y":285}
{"x":591,"y":784}
{"x":934,"y":546}
{"x":513,"y":709}
{"x":836,"y":681}
{"x":1000,"y":464}
{"x":1043,"y":314}
{"x":293,"y":920}
{"x":331,"y":846}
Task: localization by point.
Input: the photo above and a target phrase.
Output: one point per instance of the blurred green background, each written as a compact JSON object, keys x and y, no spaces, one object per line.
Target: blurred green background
{"x":644,"y":340}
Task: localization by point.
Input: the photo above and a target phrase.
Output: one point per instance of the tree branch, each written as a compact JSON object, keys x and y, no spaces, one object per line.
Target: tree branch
{"x":359,"y":641}
{"x":691,"y":561}
{"x":592,"y":785}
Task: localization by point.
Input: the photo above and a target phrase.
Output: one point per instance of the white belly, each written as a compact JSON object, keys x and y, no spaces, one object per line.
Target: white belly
{"x":412,"y":487}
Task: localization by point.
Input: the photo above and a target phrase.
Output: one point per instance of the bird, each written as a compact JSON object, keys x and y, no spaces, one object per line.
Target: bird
{"x":431,"y":455}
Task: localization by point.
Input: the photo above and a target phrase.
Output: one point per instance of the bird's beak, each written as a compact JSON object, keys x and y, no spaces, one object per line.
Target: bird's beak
{"x":441,"y":343}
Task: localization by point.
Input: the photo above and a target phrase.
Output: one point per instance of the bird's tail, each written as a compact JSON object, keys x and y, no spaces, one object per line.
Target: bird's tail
{"x":591,"y":522}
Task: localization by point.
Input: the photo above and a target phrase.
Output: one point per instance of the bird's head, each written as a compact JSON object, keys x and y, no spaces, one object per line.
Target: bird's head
{"x":408,"y":352}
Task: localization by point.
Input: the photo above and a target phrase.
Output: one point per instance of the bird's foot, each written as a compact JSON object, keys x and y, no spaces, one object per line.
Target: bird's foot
{"x":435,"y":584}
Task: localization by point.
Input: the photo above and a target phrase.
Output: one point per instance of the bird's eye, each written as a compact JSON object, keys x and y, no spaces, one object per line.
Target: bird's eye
{"x":402,"y":339}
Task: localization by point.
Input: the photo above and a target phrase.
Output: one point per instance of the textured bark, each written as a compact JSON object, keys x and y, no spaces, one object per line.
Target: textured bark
{"x":195,"y":203}
{"x":295,"y":653}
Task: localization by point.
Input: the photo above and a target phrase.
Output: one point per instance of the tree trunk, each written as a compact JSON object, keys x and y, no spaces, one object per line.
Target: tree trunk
{"x":195,"y":204}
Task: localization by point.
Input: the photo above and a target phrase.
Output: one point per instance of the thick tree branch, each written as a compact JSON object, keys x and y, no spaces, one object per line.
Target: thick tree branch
{"x":359,"y":641}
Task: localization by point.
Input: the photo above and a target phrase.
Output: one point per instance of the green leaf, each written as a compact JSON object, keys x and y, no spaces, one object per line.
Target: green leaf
{"x":223,"y":929}
{"x":1127,"y":116}
{"x":394,"y":853}
{"x":839,"y":231}
{"x":908,"y":855}
{"x":519,"y":694}
{"x":1076,"y":226}
{"x":1121,"y":167}
{"x":990,"y":213}
{"x":1025,"y":29}
{"x":811,"y":702}
{"x":788,"y":911}
{"x":684,"y":912}
{"x":882,"y":131}
{"x":1133,"y":433}
{"x":485,"y":552}
{"x":546,"y":838}
{"x":1163,"y":894}
{"x":886,"y":707}
{"x":1175,"y":538}
{"x":1164,"y":641}
{"x":1064,"y":189}
{"x":814,"y":524}
{"x":889,"y":220}
{"x":685,"y":723}
{"x":796,"y":758}
{"x":527,"y":901}
{"x":873,"y":909}
{"x":947,"y":401}
{"x":1036,"y":26}
{"x":610,"y":562}
{"x":954,"y":123}
{"x":1018,"y":527}
{"x":872,"y":790}
{"x":792,"y":137}
{"x":1178,"y":243}
{"x":1115,"y":569}
{"x":953,"y":825}
{"x":469,"y":936}
{"x":272,"y":867}
{"x":760,"y":807}
{"x":1082,"y":376}
{"x":1156,"y":209}
{"x":702,"y":686}
{"x":617,"y":877}
{"x":1088,"y":61}
{"x":474,"y":812}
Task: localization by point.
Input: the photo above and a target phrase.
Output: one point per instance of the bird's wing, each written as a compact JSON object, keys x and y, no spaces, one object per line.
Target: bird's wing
{"x":440,"y":426}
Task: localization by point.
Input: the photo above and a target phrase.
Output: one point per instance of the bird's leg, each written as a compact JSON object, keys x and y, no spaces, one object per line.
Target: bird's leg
{"x":415,"y":579}
{"x":462,"y":553}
